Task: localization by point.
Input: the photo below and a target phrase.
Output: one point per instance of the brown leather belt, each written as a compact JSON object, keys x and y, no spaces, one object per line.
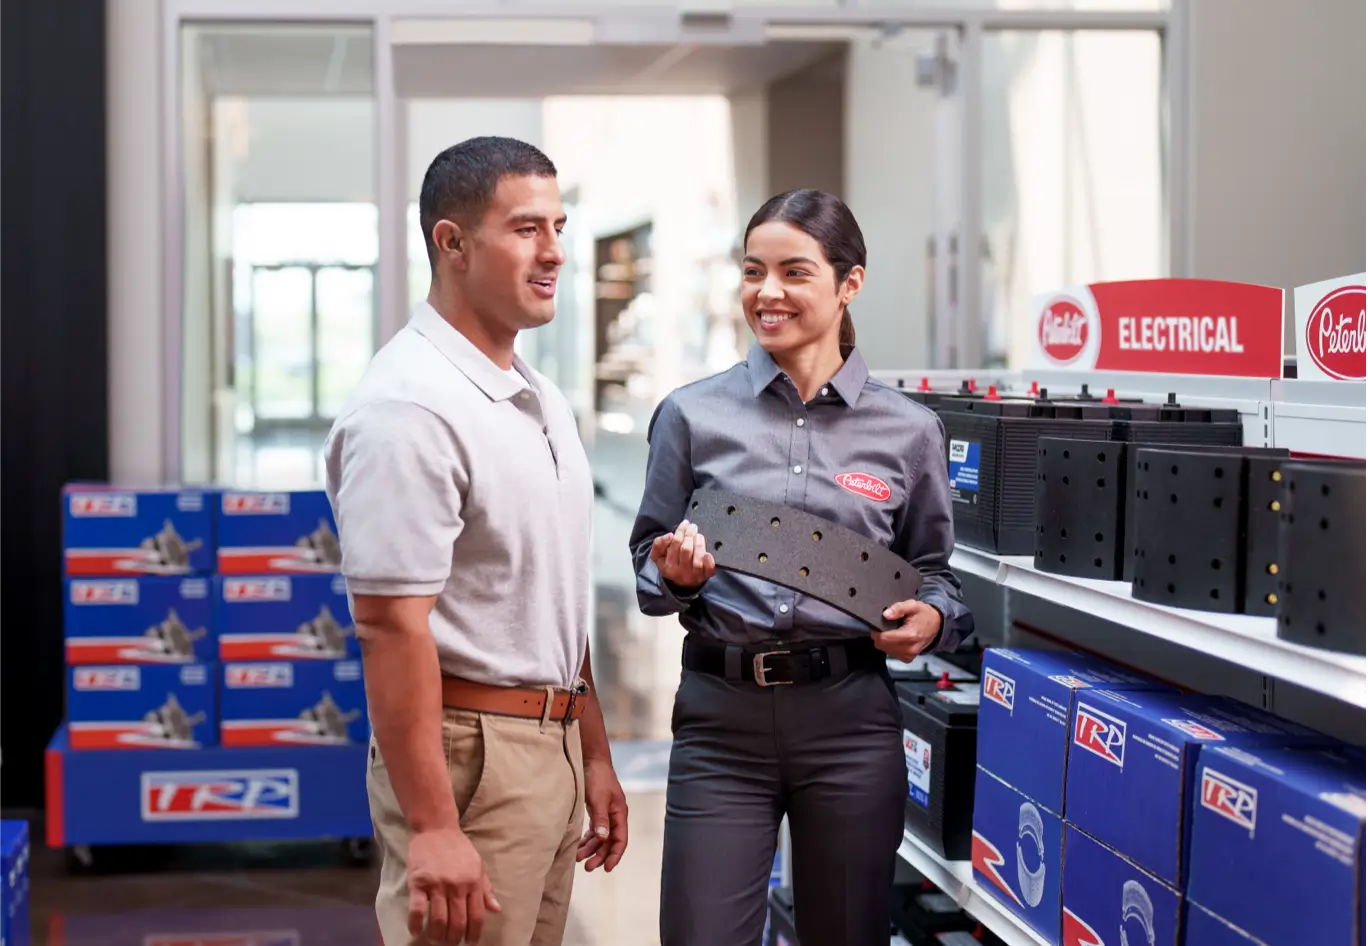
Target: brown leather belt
{"x":527,"y":702}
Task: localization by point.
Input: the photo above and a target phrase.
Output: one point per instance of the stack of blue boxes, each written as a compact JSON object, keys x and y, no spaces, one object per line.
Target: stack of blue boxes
{"x":1106,"y":803}
{"x":14,"y":861}
{"x":196,"y":618}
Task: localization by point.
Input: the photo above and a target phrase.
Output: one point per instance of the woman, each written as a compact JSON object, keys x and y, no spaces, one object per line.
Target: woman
{"x":782,"y":426}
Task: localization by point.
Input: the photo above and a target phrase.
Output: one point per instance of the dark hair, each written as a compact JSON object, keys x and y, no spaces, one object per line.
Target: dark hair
{"x":826,"y":219}
{"x":460,"y":182}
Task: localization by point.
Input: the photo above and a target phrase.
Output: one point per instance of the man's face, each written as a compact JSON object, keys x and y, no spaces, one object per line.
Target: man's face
{"x":514,"y":257}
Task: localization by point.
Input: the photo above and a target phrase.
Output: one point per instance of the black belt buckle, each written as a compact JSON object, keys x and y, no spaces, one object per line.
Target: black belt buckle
{"x":762,"y":673}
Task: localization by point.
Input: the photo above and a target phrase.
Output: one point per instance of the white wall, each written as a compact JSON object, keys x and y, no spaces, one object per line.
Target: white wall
{"x":1278,"y":141}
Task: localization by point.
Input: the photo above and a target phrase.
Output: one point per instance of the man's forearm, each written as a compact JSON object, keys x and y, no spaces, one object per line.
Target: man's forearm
{"x":593,"y":731}
{"x":404,"y":692}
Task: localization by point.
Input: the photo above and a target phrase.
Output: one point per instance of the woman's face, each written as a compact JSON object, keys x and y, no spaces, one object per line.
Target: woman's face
{"x":789,"y":291}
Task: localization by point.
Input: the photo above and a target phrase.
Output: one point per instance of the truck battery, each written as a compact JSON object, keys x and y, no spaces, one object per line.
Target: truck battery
{"x":1285,"y":820}
{"x":1132,"y":760}
{"x":929,"y":668}
{"x":138,"y":620}
{"x":783,"y":927}
{"x":108,"y":531}
{"x":1205,"y":529}
{"x":118,"y":706}
{"x":991,"y":448}
{"x":1025,"y":707}
{"x":920,"y":911}
{"x":1104,"y":893}
{"x":293,"y":703}
{"x":1085,"y":495}
{"x":285,"y":617}
{"x":1018,"y":849}
{"x":15,"y":923}
{"x":940,"y":732}
{"x":262,"y":533}
{"x":1321,"y":553}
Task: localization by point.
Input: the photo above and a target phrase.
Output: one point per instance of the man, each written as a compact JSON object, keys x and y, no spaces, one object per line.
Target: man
{"x":463,"y":501}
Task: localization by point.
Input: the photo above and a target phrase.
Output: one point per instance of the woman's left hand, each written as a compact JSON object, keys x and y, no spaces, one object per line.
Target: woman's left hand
{"x":920,"y":625}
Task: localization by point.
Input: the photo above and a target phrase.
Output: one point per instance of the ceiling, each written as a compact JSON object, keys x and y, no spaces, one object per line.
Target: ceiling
{"x":306,"y":61}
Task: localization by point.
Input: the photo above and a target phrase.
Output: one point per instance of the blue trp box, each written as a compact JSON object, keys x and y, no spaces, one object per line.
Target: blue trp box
{"x":1289,"y":820}
{"x":1133,"y":762}
{"x":117,"y":706}
{"x":277,"y":533}
{"x":303,"y":703}
{"x":14,"y":861}
{"x":1024,"y":713}
{"x":139,"y":620}
{"x":1204,"y":928}
{"x":108,"y":531}
{"x":285,"y":617}
{"x":1017,"y":853}
{"x":1107,"y":899}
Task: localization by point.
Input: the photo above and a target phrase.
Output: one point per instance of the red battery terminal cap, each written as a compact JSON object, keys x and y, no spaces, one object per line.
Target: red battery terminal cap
{"x":1035,"y":389}
{"x":992,"y":393}
{"x":925,"y":385}
{"x":1111,"y":397}
{"x":944,"y":682}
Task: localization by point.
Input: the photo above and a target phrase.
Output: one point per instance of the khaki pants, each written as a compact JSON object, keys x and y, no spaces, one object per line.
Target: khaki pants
{"x":519,"y":785}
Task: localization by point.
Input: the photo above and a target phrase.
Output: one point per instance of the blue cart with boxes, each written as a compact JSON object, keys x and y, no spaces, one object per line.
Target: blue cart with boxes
{"x":214,"y":689}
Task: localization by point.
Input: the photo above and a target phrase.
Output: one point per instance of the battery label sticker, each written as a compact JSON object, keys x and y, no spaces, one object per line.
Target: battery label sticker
{"x":917,"y":751}
{"x":964,"y":471}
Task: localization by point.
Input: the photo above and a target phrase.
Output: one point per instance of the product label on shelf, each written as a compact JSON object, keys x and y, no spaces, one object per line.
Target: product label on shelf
{"x":917,"y":752}
{"x":964,"y":471}
{"x":1168,"y":326}
{"x":1330,"y":329}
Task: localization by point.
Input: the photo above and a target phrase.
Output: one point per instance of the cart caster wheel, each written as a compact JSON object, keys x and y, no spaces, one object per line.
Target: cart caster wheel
{"x":80,"y":859}
{"x":359,"y":852}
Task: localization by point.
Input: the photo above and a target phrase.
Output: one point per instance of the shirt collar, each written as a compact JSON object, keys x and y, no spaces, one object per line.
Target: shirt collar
{"x":848,"y":382}
{"x":468,"y":359}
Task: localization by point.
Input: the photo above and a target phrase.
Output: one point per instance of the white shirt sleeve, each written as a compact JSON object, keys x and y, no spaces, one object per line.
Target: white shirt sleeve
{"x":399,"y":484}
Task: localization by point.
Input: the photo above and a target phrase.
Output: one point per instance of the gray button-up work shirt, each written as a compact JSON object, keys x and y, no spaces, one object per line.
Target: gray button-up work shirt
{"x":747,"y":430}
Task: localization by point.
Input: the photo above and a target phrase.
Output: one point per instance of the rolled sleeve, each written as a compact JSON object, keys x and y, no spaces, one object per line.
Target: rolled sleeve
{"x":926,"y":538}
{"x":664,"y":500}
{"x":398,"y":499}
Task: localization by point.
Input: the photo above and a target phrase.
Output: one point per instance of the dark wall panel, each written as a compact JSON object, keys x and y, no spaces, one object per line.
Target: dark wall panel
{"x":53,"y":366}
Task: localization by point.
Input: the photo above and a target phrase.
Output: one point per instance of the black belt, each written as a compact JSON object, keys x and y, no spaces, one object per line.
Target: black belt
{"x":770,"y":665}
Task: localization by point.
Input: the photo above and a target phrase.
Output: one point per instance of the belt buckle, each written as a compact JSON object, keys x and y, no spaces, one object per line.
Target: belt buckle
{"x":576,"y":691}
{"x":761,"y":674}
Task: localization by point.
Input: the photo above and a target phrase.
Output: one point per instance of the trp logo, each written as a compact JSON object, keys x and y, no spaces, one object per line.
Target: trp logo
{"x":1196,"y":730}
{"x":108,"y":679}
{"x":258,"y":675}
{"x":1101,"y":734}
{"x":103,"y":505}
{"x":256,"y":504}
{"x":1073,"y":683}
{"x":256,"y":589}
{"x":123,"y":591}
{"x":220,"y":796}
{"x":1000,"y":689}
{"x":1230,"y":799}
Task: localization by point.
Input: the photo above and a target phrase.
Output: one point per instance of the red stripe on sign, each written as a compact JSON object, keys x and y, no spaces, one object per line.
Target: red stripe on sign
{"x":260,"y":734}
{"x":55,"y":798}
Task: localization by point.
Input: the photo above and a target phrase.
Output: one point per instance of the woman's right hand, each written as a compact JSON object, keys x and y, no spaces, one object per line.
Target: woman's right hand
{"x":683,"y":557}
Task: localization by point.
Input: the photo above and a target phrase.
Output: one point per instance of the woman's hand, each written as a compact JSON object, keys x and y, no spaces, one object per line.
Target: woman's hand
{"x":683,"y":557}
{"x":920,"y":625}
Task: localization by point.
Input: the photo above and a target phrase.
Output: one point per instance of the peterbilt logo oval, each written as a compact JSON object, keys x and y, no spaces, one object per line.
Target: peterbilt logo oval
{"x":866,"y":485}
{"x":1063,"y":331}
{"x":1335,"y":334}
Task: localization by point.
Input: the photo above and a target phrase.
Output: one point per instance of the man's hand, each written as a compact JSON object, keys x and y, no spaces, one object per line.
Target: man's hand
{"x":448,"y":887}
{"x":683,"y":557}
{"x":920,"y":625}
{"x":606,"y":838}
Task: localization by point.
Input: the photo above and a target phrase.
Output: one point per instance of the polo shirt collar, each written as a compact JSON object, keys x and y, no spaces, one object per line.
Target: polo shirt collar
{"x":848,"y":382}
{"x":468,"y":359}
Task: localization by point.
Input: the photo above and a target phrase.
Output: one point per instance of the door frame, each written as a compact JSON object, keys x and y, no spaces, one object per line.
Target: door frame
{"x":741,"y":26}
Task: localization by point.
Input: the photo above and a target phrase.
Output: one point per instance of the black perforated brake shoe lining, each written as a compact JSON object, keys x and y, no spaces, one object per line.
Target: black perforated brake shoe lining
{"x":804,"y":552}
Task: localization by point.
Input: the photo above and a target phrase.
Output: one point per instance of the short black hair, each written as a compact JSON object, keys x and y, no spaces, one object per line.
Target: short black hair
{"x":460,"y":182}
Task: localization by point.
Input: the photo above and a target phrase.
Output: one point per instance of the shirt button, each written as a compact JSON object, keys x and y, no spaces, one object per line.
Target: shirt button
{"x":797,"y":469}
{"x":824,"y":390}
{"x":783,"y":609}
{"x":801,"y":422}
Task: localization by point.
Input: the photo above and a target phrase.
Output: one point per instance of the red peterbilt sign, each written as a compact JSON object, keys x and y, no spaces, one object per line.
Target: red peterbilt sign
{"x":1162,"y":326}
{"x":865,"y":484}
{"x":1330,"y":329}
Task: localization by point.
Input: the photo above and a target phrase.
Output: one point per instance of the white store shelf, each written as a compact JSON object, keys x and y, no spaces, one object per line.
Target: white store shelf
{"x":956,"y":878}
{"x":1241,"y":639}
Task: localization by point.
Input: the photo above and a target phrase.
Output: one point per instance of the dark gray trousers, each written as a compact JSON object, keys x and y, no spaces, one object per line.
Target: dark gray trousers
{"x":827,"y":754}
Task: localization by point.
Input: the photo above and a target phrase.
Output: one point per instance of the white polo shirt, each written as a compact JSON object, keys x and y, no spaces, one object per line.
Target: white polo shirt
{"x":450,"y":477}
